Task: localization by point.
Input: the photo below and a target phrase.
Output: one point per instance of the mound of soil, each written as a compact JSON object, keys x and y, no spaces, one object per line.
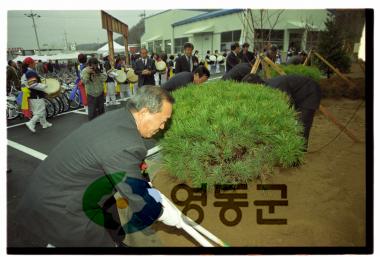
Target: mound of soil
{"x":335,"y":87}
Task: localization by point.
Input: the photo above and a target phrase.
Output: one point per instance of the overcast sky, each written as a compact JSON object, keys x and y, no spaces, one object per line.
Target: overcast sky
{"x":80,"y":26}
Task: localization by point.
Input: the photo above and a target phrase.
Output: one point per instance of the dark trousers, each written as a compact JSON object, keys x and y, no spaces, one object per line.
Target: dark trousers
{"x":95,"y":106}
{"x":306,"y":116}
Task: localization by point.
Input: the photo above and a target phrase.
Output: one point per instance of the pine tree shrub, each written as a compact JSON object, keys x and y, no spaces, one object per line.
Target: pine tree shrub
{"x":225,"y":132}
{"x":331,"y":47}
{"x":312,"y":72}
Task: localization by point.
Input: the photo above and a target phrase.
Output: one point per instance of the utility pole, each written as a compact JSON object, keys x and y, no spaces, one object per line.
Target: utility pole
{"x":67,"y":45}
{"x":32,"y":15}
{"x":143,"y":15}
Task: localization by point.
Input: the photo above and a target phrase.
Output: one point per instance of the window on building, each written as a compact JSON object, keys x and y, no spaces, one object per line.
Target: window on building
{"x":178,"y":44}
{"x":312,"y":40}
{"x":150,"y":47}
{"x":228,"y":38}
{"x":158,"y":46}
{"x":265,"y":36}
{"x":295,"y":39}
{"x":168,"y":46}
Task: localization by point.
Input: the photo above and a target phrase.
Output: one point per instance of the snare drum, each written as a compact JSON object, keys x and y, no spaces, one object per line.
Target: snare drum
{"x":131,"y":76}
{"x":53,"y":87}
{"x":121,"y":76}
{"x":220,"y":59}
{"x":212,"y":59}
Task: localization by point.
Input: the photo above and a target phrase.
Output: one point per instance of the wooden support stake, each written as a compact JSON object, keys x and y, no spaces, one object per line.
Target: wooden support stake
{"x":331,"y":117}
{"x":255,"y":65}
{"x":307,"y":58}
{"x":110,"y":48}
{"x":126,"y":50}
{"x":266,"y":70}
{"x":334,"y":69}
{"x":273,"y":65}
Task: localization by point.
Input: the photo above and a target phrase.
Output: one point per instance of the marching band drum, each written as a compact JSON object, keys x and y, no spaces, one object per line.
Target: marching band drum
{"x":220,"y":59}
{"x":131,"y":76}
{"x":161,"y":67}
{"x":53,"y":88}
{"x":212,"y":59}
{"x":121,"y":76}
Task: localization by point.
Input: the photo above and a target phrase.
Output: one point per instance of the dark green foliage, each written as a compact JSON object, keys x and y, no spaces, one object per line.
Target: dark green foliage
{"x":226,"y":132}
{"x":331,"y":47}
{"x":307,"y":71}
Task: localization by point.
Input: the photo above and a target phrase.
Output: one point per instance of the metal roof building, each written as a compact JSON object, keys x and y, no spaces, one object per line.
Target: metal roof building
{"x":218,"y":29}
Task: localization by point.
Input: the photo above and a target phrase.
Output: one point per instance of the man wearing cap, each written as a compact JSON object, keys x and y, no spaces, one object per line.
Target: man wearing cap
{"x":32,"y":82}
{"x":93,"y":79}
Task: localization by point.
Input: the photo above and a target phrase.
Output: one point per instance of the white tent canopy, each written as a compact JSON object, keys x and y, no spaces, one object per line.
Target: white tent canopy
{"x":46,"y":58}
{"x":43,"y":58}
{"x":116,"y":47}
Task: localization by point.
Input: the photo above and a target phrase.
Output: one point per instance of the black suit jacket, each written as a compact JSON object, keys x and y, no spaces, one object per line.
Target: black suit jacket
{"x":232,"y":60}
{"x":238,"y":72}
{"x":139,"y":67}
{"x":183,"y":65}
{"x":247,"y":57}
{"x":304,"y":92}
{"x":179,"y":80}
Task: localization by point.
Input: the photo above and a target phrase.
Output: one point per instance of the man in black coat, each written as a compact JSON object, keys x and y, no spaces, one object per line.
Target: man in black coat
{"x":238,"y":72}
{"x":232,"y":57}
{"x":186,"y":62}
{"x":304,"y":93}
{"x":245,"y":55}
{"x":182,"y":79}
{"x":69,"y":201}
{"x":145,"y":68}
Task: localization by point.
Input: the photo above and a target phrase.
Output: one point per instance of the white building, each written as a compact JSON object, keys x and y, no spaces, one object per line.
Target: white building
{"x":218,"y":29}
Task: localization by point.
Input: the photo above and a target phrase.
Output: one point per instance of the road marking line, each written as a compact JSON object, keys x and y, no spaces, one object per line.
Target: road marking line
{"x":27,"y":150}
{"x":23,"y":123}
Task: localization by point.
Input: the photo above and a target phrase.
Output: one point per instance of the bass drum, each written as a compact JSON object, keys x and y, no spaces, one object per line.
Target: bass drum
{"x":121,"y":76}
{"x":220,"y":59}
{"x":161,"y":67}
{"x":131,"y":76}
{"x":53,"y":88}
{"x":212,"y":59}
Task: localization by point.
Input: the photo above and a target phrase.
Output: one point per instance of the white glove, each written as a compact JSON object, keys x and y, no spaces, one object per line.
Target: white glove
{"x":170,"y":216}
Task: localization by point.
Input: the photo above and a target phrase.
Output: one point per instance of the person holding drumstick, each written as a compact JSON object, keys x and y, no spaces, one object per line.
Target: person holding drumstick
{"x":124,"y":87}
{"x":32,"y":81}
